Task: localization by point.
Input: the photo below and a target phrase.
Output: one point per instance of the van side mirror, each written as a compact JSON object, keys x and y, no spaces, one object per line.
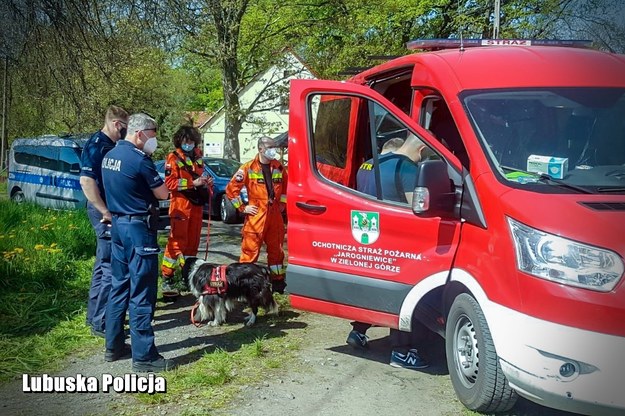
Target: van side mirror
{"x":434,"y":194}
{"x":74,"y":168}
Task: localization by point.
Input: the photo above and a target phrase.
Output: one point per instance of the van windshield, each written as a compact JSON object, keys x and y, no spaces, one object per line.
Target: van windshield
{"x":541,"y":138}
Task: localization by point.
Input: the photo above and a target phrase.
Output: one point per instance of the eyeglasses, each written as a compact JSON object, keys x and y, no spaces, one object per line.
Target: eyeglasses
{"x":152,"y":129}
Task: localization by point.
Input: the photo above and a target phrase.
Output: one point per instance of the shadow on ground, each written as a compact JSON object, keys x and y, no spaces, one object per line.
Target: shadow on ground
{"x":194,"y":342}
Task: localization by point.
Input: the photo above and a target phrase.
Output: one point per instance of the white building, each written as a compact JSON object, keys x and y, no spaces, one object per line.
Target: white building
{"x":266,"y":100}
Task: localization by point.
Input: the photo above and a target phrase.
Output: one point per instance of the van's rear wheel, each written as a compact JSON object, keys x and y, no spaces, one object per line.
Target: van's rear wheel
{"x":18,"y":197}
{"x":472,"y":360}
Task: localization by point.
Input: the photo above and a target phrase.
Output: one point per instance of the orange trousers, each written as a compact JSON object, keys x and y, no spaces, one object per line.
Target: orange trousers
{"x":184,"y":237}
{"x":273,"y":237}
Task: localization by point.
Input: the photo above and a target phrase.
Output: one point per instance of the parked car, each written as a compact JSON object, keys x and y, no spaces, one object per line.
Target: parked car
{"x":221,"y":170}
{"x":46,"y":170}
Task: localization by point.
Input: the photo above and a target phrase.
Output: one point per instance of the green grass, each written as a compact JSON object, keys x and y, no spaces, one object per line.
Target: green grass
{"x":46,"y":258}
{"x":217,"y":374}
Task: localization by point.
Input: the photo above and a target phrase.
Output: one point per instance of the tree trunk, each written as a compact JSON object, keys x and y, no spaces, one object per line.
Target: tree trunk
{"x":232,"y":110}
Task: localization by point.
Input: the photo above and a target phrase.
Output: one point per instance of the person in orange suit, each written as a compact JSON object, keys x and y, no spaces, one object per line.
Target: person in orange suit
{"x":190,"y":190}
{"x":265,"y":179}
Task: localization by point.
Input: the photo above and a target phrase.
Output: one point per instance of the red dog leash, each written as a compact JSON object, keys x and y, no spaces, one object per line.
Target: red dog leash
{"x":208,"y":224}
{"x":193,"y":309}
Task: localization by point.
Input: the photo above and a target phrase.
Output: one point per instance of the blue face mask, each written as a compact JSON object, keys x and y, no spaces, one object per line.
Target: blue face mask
{"x":188,"y":147}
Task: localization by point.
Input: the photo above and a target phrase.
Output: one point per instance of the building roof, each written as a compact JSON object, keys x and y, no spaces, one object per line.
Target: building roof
{"x":198,"y":118}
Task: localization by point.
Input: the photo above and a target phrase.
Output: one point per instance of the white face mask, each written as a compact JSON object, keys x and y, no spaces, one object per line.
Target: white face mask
{"x":150,"y":146}
{"x":271,"y":153}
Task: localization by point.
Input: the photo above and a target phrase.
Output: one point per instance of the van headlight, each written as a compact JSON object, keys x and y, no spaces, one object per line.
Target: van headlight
{"x":565,"y":261}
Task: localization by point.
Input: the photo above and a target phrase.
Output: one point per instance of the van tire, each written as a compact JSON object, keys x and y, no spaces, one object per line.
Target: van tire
{"x":481,"y":385}
{"x":228,"y":212}
{"x":18,"y":197}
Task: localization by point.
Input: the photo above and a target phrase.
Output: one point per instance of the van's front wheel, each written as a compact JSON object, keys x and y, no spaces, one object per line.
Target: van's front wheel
{"x":472,"y":360}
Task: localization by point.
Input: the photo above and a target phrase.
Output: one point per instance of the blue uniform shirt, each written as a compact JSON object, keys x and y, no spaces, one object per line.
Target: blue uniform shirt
{"x":398,"y":175}
{"x":94,"y":151}
{"x":129,"y":176}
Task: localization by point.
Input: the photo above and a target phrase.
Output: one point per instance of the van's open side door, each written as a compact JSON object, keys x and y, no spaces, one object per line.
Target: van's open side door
{"x":352,"y":254}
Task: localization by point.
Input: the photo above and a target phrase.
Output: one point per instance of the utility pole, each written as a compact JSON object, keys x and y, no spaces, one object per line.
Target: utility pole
{"x":496,"y":20}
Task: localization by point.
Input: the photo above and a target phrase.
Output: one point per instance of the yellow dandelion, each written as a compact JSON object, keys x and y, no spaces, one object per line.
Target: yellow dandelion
{"x":19,"y":250}
{"x":53,"y":245}
{"x":39,"y":247}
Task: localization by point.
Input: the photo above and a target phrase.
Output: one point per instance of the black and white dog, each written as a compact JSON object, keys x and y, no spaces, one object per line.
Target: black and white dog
{"x":240,"y":282}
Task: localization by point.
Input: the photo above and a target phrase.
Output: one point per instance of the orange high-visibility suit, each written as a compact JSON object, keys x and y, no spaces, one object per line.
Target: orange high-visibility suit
{"x":267,"y":225}
{"x":185,"y":217}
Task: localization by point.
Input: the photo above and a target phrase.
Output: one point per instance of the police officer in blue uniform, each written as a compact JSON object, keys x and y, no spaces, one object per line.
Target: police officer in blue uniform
{"x":132,"y":186}
{"x":115,"y":122}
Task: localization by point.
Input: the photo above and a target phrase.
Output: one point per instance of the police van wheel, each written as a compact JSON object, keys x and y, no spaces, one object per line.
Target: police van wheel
{"x":228,"y":212}
{"x":18,"y":197}
{"x":472,"y":360}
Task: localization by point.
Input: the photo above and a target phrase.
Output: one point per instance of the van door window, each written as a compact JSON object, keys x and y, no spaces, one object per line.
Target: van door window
{"x":46,"y":157}
{"x":369,"y":146}
{"x":331,"y":117}
{"x":69,"y":160}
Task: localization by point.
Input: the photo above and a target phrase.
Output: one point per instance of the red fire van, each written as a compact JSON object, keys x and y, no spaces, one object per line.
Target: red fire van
{"x":513,"y":246}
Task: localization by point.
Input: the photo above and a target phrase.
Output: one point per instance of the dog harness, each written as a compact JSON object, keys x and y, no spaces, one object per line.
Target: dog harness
{"x":217,"y":284}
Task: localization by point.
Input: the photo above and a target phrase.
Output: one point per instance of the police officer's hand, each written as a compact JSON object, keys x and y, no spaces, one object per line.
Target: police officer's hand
{"x":209,"y":181}
{"x":250,"y":209}
{"x":106,"y":217}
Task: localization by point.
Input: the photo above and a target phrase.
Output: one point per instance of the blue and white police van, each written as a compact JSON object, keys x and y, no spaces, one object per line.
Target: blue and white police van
{"x":46,"y":170}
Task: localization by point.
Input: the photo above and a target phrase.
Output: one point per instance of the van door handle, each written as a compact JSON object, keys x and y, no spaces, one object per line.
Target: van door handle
{"x":313,"y":209}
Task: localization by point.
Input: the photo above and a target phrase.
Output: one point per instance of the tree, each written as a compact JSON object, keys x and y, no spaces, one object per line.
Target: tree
{"x":79,"y":56}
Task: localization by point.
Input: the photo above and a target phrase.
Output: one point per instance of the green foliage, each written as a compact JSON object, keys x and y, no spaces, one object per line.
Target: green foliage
{"x":46,"y":259}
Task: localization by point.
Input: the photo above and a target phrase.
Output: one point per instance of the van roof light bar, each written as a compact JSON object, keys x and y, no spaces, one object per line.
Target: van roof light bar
{"x":436,"y":44}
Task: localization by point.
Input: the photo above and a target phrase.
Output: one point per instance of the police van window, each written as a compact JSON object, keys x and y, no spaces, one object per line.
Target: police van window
{"x":69,"y":160}
{"x":47,"y":157}
{"x":24,"y":155}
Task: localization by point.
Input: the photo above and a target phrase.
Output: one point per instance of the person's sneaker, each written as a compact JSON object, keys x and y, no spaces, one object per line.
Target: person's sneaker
{"x":114,"y":355}
{"x":97,"y":333}
{"x":410,"y":360}
{"x":168,"y":290}
{"x":357,"y":340}
{"x":278,"y":286}
{"x":155,"y":366}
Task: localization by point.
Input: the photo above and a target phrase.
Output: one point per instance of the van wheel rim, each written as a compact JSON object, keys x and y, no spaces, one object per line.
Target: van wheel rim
{"x":466,"y":352}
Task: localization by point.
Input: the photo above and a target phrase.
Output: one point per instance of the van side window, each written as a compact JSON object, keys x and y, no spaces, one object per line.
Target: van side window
{"x":436,"y":117}
{"x":69,"y":160}
{"x":24,"y":155}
